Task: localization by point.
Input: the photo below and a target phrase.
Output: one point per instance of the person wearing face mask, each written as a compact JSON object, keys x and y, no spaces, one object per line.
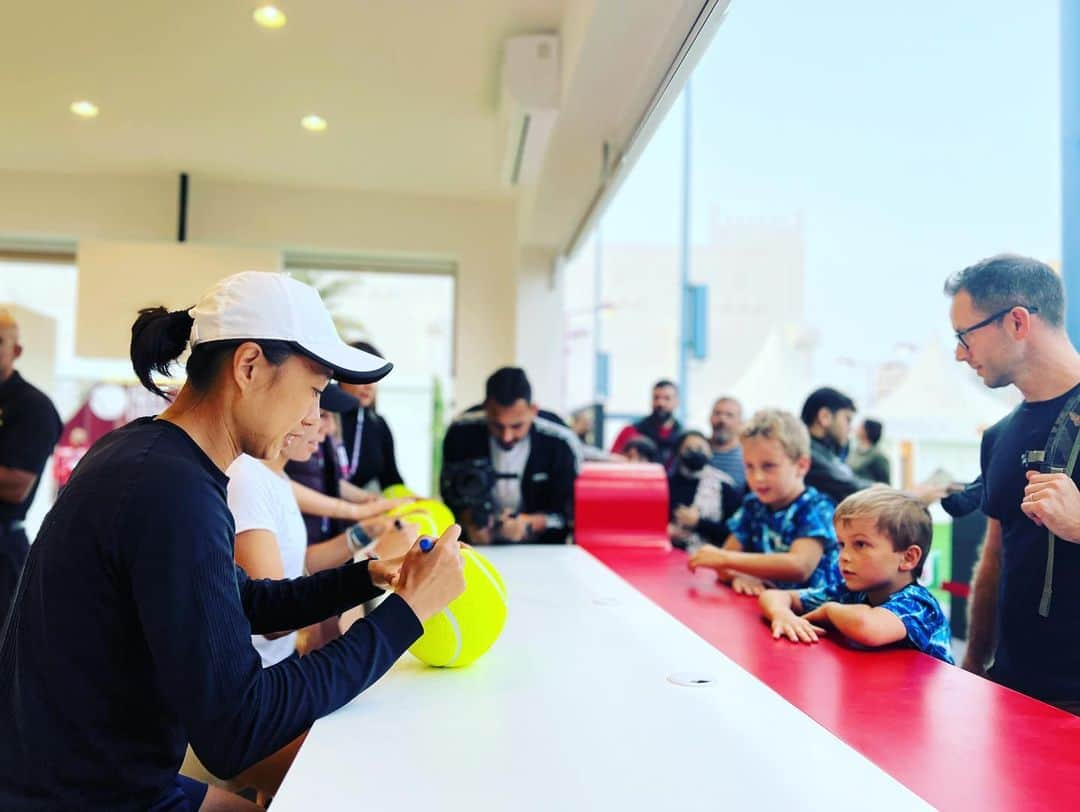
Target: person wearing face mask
{"x":702,"y":497}
{"x":660,"y":426}
{"x":535,"y":461}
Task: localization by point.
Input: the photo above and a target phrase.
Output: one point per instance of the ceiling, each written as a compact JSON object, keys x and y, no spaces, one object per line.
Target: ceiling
{"x":409,"y":88}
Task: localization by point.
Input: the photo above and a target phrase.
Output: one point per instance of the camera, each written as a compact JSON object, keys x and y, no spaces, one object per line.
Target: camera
{"x":470,"y":484}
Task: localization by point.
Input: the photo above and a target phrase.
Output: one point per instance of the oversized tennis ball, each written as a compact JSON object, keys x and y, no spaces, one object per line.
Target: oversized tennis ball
{"x":442,"y":515}
{"x":423,"y":521}
{"x":469,"y":626}
{"x":397,"y":492}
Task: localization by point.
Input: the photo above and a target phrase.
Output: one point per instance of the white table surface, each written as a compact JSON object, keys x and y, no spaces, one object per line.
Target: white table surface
{"x":572,"y":709}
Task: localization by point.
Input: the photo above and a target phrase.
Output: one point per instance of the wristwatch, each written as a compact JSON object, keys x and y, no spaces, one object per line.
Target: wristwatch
{"x":357,"y":539}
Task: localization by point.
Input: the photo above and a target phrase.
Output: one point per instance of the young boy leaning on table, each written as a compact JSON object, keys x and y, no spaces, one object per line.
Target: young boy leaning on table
{"x":783,"y":534}
{"x":884,"y":538}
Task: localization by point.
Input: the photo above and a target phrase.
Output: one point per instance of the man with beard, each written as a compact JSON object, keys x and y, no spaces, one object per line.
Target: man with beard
{"x":535,"y":461}
{"x":726,"y":420}
{"x":1009,"y":316}
{"x":660,"y":426}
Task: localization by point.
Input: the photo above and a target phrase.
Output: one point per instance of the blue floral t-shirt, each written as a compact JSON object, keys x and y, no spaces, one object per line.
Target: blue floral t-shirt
{"x":760,"y":529}
{"x":926,"y":624}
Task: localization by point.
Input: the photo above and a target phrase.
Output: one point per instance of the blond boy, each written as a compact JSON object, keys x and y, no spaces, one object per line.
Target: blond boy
{"x":783,"y":534}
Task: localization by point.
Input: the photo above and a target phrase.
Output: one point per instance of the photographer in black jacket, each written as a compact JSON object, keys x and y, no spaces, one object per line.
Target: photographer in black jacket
{"x":508,"y":471}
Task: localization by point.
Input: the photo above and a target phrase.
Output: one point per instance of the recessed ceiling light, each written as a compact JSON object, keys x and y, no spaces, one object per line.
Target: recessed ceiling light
{"x":313,"y":123}
{"x":269,"y":17}
{"x":84,"y":108}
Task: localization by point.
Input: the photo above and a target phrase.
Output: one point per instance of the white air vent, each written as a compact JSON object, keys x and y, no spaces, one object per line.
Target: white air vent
{"x":530,"y":104}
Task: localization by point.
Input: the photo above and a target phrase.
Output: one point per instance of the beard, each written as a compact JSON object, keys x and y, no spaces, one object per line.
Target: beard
{"x":722,"y":436}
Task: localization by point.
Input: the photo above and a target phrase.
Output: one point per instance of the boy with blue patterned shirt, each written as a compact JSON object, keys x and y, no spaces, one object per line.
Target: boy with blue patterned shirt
{"x":783,"y":534}
{"x":884,"y":538}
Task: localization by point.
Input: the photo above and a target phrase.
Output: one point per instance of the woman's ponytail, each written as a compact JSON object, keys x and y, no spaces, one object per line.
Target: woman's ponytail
{"x":158,"y":338}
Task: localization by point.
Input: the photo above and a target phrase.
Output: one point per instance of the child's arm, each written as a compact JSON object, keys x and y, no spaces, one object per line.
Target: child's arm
{"x":796,"y":565}
{"x":712,"y":557}
{"x":866,"y":625}
{"x":781,"y":607}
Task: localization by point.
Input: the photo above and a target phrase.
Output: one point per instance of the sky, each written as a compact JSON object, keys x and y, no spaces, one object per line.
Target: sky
{"x":913,"y":139}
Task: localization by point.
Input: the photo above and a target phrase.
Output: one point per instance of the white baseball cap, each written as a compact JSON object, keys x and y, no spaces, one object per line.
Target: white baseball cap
{"x":276,"y":307}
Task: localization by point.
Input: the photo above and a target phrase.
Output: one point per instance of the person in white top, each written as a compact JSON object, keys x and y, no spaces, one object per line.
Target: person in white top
{"x":271,"y":541}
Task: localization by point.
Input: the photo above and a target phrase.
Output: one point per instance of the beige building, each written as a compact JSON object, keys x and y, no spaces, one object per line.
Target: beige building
{"x":755,"y":274}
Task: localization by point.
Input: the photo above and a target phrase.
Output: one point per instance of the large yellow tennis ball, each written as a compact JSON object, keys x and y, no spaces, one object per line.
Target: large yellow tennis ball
{"x":423,"y":521}
{"x":442,"y":515}
{"x":469,"y":626}
{"x":397,"y":492}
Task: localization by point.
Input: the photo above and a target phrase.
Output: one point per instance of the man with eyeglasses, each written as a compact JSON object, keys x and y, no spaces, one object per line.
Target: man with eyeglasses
{"x":1008,"y":313}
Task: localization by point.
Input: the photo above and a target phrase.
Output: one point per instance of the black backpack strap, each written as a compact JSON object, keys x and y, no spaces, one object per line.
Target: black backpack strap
{"x":1062,"y":451}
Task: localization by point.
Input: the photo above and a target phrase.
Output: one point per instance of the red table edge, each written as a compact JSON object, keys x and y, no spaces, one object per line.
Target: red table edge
{"x":1027,"y":764}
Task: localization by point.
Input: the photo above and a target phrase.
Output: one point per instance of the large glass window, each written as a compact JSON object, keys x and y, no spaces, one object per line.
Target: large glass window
{"x":409,"y":317}
{"x":843,"y":160}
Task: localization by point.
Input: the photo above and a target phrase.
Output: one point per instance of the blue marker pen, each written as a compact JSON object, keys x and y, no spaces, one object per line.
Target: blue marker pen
{"x":426,"y":545}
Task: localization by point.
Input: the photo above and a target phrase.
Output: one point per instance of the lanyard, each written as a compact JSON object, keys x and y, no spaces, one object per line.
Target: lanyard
{"x":354,"y":458}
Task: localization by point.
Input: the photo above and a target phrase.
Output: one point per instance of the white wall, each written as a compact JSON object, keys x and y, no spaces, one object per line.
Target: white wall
{"x":478,"y":235}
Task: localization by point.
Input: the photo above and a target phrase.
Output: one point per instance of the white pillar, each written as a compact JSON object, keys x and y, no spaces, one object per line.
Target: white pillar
{"x":540,"y":346}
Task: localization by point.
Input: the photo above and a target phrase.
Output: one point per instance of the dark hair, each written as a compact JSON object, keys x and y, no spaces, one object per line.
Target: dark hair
{"x":507,"y":386}
{"x":686,"y":435}
{"x":364,"y":346}
{"x":873,"y":430}
{"x":644,"y":446}
{"x":824,"y":398}
{"x":664,"y":382}
{"x":159,"y":337}
{"x":1007,"y":280}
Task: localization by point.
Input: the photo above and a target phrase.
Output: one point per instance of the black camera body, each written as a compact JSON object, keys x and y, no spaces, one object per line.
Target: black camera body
{"x":470,"y":484}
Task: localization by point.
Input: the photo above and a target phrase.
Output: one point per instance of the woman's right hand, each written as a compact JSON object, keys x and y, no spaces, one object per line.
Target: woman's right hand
{"x":429,"y":581}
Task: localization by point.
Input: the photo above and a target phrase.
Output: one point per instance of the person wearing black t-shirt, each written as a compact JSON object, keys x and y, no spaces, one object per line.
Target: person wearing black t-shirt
{"x":29,"y":428}
{"x":367,"y":439}
{"x":130,"y":633}
{"x":1008,"y":313}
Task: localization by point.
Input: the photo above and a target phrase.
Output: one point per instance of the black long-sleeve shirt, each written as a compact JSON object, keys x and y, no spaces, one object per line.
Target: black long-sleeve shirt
{"x":130,"y":636}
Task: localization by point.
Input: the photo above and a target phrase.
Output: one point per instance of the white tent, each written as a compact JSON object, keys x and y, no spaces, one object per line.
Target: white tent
{"x":779,"y":375}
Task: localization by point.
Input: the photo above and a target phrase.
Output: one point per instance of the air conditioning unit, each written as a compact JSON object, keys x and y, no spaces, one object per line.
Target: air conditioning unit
{"x":531,"y":90}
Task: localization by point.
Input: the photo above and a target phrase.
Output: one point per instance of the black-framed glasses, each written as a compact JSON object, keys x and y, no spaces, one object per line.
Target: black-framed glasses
{"x":990,"y":320}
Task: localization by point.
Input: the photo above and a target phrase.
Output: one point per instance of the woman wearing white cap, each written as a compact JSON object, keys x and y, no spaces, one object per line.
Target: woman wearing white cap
{"x":130,"y":630}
